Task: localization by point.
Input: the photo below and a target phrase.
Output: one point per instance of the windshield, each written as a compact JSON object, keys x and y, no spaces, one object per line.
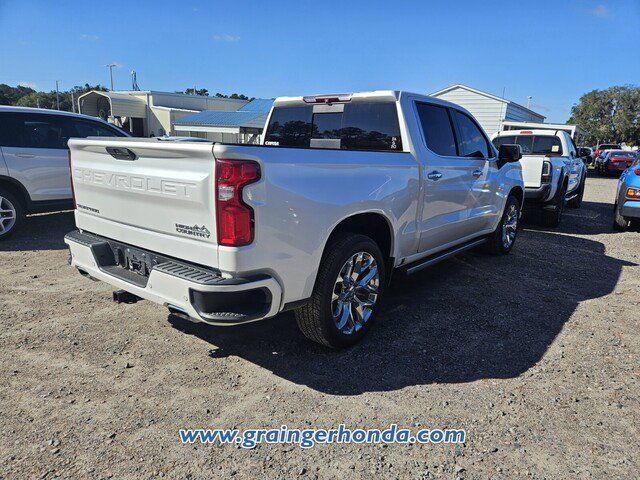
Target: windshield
{"x":608,"y":146}
{"x":532,"y":144}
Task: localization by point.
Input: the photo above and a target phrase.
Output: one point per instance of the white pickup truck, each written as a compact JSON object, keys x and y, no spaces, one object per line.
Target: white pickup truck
{"x":553,"y":169}
{"x":344,"y":189}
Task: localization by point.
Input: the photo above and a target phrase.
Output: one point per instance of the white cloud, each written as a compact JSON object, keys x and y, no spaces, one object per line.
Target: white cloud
{"x":601,"y":12}
{"x":28,"y":85}
{"x":225,"y":37}
{"x":89,"y":38}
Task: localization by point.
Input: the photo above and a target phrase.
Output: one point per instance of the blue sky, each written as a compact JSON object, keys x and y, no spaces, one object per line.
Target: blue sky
{"x":552,"y":50}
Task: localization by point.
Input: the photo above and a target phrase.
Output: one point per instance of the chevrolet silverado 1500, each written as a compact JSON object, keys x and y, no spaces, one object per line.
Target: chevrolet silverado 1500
{"x":343,"y":190}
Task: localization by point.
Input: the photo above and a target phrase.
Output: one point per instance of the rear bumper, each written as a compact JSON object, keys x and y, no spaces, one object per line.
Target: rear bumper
{"x":191,"y":290}
{"x":613,"y":169}
{"x":537,"y":193}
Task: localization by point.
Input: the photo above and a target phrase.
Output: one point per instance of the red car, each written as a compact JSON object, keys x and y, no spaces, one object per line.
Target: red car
{"x":614,"y":161}
{"x":605,"y":146}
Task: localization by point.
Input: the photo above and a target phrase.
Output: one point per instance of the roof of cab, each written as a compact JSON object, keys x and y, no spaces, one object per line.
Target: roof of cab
{"x":531,"y":131}
{"x":380,"y":95}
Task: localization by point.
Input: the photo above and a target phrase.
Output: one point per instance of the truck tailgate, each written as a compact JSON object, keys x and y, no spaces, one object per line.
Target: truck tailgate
{"x":532,"y":170}
{"x":148,"y":191}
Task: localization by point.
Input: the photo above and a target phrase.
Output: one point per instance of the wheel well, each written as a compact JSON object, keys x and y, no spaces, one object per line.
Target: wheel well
{"x":373,"y":225}
{"x":16,"y":189}
{"x":519,"y":193}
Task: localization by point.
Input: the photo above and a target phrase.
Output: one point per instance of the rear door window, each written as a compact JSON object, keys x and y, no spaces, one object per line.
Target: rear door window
{"x":438,"y":129}
{"x":360,"y":126}
{"x":471,"y":140}
{"x":33,"y":130}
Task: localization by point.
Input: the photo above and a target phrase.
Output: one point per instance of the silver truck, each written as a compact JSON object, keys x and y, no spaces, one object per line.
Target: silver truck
{"x":344,"y":190}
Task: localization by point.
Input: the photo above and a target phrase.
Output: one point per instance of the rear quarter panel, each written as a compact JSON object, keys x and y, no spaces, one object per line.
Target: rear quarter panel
{"x":304,"y":193}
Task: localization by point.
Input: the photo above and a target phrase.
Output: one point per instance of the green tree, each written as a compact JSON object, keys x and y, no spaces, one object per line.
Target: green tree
{"x":611,"y":115}
{"x":10,"y":95}
{"x":200,"y":91}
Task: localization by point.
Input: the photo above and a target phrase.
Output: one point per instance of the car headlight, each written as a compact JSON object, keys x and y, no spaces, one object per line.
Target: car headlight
{"x":633,"y":193}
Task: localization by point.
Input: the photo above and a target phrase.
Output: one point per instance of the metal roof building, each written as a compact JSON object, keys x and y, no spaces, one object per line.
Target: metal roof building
{"x":242,"y":126}
{"x":150,"y":113}
{"x":490,"y":110}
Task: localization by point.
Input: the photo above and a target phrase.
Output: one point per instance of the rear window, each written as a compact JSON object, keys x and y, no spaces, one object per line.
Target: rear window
{"x":532,"y":144}
{"x":609,"y":146}
{"x":360,"y":126}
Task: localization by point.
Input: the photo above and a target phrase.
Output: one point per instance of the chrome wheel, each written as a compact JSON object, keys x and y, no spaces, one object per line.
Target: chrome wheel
{"x":510,"y":226}
{"x":355,"y":293}
{"x":8,"y":215}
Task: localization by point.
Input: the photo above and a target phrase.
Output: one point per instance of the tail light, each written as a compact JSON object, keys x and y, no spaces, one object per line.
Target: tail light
{"x":234,"y":218}
{"x":546,"y":172}
{"x":73,"y":192}
{"x":637,"y":171}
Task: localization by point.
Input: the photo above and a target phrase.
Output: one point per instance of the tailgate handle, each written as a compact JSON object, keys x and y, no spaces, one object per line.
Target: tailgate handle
{"x":121,"y":153}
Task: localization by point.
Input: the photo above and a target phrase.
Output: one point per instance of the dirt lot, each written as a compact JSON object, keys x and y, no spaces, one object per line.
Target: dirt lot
{"x":535,"y":354}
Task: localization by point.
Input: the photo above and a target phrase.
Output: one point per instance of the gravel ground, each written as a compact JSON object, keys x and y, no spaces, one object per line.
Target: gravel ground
{"x":534,"y":354}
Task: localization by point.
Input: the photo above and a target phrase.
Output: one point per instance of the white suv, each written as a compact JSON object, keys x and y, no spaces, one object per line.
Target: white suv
{"x":34,"y":164}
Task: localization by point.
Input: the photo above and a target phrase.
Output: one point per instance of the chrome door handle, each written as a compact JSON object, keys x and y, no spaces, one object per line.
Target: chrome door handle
{"x":477,"y":173}
{"x":435,"y":175}
{"x":25,"y":155}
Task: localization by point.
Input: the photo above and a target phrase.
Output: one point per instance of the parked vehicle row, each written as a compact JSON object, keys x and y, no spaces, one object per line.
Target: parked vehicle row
{"x":343,"y":191}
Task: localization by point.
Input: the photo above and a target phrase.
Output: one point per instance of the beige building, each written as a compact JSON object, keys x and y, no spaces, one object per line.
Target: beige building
{"x":150,"y":113}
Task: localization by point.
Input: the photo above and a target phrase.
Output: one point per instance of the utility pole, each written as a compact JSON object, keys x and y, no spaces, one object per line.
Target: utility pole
{"x":57,"y":97}
{"x":529,"y":102}
{"x":73,"y":103}
{"x":110,"y":67}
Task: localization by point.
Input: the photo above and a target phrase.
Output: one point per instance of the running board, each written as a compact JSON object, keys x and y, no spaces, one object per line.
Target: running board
{"x":438,"y":257}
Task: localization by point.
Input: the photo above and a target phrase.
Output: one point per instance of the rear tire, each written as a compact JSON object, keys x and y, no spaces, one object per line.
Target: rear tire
{"x":501,"y":241}
{"x":11,"y":214}
{"x":343,"y":305}
{"x":552,"y":218}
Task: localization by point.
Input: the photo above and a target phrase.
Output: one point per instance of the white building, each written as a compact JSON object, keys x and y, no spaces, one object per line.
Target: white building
{"x":489,"y":110}
{"x":150,"y":113}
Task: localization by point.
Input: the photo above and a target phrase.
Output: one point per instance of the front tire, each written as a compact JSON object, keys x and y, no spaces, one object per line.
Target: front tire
{"x":347,"y":293}
{"x":620,"y":223}
{"x":11,"y":214}
{"x":501,"y":241}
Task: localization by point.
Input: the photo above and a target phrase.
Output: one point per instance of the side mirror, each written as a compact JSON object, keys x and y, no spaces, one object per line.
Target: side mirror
{"x":509,"y":153}
{"x":583,"y":152}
